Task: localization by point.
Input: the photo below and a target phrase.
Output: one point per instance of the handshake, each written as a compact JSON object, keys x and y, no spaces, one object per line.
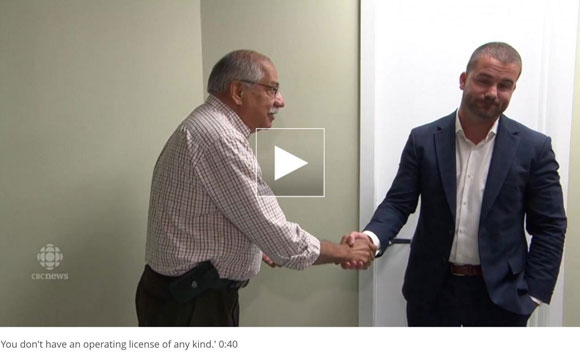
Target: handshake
{"x":361,"y":251}
{"x":355,"y":251}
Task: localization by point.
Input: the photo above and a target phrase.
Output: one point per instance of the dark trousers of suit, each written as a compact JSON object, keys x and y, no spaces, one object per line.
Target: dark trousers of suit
{"x":462,"y":301}
{"x":156,"y":307}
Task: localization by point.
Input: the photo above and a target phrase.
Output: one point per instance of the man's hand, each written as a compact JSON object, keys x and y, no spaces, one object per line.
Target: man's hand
{"x":358,"y":238}
{"x":266,"y":259}
{"x":362,"y":251}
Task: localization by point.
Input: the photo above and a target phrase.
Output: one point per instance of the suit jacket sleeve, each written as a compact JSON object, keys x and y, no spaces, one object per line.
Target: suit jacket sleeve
{"x":545,"y":222}
{"x":401,"y":200}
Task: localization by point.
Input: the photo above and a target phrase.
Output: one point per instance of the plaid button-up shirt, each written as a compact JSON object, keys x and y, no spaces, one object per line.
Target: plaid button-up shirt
{"x":204,"y":206}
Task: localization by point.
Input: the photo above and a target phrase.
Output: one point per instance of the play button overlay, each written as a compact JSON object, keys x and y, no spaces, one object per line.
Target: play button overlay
{"x":291,"y":162}
{"x":285,"y":163}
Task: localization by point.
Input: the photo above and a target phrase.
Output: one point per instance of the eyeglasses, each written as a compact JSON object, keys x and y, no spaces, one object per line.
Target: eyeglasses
{"x":272,"y":90}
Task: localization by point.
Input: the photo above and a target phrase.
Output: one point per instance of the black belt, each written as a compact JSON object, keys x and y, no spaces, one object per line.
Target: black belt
{"x":219,"y":283}
{"x":230,"y":284}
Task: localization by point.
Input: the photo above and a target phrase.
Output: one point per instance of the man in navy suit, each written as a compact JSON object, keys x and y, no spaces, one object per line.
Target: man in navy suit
{"x":483,"y":178}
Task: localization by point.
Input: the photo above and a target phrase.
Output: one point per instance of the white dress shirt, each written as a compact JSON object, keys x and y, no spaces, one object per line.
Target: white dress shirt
{"x":472,"y":165}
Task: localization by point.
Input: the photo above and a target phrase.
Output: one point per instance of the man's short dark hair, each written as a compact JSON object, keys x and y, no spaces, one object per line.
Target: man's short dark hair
{"x":500,"y":51}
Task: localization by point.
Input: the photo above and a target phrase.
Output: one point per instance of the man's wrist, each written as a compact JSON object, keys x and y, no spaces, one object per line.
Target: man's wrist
{"x":373,"y":237}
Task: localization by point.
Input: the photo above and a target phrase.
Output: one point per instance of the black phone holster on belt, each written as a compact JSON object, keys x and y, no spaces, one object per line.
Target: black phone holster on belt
{"x":191,"y":284}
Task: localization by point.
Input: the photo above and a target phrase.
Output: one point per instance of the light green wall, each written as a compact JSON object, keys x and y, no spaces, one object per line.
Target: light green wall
{"x":89,"y":92}
{"x":315,"y":47}
{"x":572,"y":246}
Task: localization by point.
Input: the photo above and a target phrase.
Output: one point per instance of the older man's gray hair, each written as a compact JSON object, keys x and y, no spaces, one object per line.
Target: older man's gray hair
{"x":236,"y":65}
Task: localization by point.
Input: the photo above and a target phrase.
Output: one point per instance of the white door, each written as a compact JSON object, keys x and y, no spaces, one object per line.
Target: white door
{"x":412,"y":53}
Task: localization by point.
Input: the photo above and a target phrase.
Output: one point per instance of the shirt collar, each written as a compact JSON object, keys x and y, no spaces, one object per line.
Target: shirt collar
{"x":459,"y":129}
{"x":232,"y":116}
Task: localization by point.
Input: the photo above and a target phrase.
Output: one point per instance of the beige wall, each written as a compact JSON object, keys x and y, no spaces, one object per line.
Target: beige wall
{"x":572,"y":246}
{"x":314,"y":45}
{"x":89,"y":92}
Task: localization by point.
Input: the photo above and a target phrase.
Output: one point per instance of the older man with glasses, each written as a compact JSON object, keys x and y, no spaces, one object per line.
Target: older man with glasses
{"x":208,"y":229}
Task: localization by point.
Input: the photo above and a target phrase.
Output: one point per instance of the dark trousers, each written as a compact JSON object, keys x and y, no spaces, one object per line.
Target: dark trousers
{"x":156,"y":307}
{"x":463,"y":301}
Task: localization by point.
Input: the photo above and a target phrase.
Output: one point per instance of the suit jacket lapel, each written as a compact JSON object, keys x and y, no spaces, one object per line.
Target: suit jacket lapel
{"x":506,"y":143}
{"x":445,"y":149}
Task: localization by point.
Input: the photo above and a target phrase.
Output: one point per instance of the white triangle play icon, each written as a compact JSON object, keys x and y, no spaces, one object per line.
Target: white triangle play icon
{"x":285,"y":163}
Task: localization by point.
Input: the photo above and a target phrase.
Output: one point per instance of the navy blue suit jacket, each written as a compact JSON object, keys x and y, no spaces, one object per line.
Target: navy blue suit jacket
{"x":523,"y":187}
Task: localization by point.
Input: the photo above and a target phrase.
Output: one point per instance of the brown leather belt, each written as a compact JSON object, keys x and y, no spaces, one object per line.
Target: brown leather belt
{"x":465,"y":270}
